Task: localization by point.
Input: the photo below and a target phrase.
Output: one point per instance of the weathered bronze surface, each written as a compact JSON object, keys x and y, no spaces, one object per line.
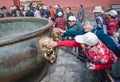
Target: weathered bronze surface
{"x":21,"y":58}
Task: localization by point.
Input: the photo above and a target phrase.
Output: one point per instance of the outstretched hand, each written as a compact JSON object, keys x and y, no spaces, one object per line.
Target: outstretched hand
{"x":91,"y":66}
{"x":51,"y":43}
{"x":60,"y":30}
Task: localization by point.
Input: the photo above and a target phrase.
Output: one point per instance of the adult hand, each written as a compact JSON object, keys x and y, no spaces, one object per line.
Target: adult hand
{"x":60,"y":30}
{"x":91,"y":66}
{"x":116,"y":34}
{"x":51,"y":43}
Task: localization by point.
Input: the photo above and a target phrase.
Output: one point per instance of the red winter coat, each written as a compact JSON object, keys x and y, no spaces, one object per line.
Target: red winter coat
{"x":112,"y":26}
{"x":60,"y":22}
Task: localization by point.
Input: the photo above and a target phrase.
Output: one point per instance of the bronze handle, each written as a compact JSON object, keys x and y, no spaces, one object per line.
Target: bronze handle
{"x":48,"y":52}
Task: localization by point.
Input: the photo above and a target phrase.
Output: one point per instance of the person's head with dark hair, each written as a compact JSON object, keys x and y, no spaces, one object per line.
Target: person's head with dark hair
{"x":50,"y":6}
{"x":81,"y":6}
{"x":30,"y":4}
{"x":37,"y":8}
{"x":3,"y":7}
{"x":58,"y":5}
{"x":68,"y":9}
{"x":18,"y":7}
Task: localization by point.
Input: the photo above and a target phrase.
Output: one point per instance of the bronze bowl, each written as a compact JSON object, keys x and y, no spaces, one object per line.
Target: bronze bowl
{"x":21,"y":59}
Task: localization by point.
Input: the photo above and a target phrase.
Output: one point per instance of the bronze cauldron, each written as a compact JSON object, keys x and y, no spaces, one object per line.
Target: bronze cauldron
{"x":21,"y":57}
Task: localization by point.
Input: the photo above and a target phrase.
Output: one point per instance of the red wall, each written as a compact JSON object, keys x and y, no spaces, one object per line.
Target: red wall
{"x":86,"y":3}
{"x":65,"y":3}
{"x":6,"y":3}
{"x":16,"y":2}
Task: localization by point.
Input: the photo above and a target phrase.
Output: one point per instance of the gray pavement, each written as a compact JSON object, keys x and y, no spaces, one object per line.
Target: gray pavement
{"x":68,"y":68}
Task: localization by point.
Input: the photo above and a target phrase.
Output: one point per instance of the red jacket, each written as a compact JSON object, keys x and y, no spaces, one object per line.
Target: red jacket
{"x":112,"y":26}
{"x":52,"y":12}
{"x":99,"y":55}
{"x":60,"y":22}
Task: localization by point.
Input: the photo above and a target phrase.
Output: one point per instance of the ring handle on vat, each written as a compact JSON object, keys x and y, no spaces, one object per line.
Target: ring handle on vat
{"x":49,"y":53}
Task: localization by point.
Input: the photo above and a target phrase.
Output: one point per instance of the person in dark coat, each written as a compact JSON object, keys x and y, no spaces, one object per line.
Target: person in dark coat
{"x":68,"y":14}
{"x":74,"y":25}
{"x":80,"y":14}
{"x":58,"y":9}
{"x":100,"y":18}
{"x":90,"y":26}
{"x":29,"y":13}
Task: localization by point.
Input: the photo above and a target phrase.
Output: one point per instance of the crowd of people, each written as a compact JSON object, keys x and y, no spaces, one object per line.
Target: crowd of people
{"x":98,"y":38}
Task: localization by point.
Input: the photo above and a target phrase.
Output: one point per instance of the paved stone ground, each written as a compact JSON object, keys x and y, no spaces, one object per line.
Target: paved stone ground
{"x":68,"y":68}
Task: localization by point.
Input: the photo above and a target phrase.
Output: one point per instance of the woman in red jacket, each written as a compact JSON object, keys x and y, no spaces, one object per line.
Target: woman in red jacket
{"x":112,"y":25}
{"x":100,"y":56}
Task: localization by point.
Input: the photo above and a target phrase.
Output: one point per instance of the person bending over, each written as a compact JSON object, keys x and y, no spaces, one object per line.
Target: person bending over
{"x":100,"y":56}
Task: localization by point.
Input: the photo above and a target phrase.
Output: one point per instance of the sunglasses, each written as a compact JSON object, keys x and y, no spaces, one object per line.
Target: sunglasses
{"x":70,"y":21}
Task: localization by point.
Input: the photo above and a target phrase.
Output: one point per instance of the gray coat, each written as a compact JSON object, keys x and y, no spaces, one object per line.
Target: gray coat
{"x":80,"y":15}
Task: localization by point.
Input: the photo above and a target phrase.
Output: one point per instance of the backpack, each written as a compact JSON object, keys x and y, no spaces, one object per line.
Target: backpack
{"x":115,"y":70}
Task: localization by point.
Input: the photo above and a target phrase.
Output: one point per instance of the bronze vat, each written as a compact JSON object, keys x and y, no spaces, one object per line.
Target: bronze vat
{"x":21,"y":58}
